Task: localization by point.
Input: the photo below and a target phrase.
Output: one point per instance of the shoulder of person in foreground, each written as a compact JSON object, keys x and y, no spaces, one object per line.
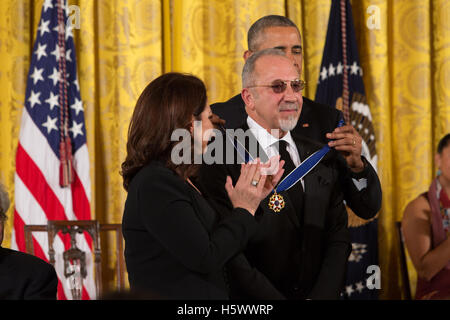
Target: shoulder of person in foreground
{"x":417,"y":208}
{"x":418,"y":233}
{"x":416,"y":216}
{"x":31,"y":277}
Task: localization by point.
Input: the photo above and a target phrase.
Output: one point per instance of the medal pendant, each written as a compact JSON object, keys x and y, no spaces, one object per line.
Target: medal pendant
{"x":276,"y":202}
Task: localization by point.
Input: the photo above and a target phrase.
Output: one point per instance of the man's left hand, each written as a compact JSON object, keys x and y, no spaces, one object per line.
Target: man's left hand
{"x":348,"y":141}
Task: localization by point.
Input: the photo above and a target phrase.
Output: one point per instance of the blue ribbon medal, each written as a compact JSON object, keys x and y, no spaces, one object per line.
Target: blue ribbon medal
{"x":276,"y":201}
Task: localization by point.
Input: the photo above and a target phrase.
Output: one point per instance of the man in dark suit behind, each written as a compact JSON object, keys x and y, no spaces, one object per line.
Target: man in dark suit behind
{"x":301,"y":251}
{"x":362,"y":188}
{"x":23,"y":276}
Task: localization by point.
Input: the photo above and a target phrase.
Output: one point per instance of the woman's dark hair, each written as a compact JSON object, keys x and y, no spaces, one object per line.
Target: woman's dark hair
{"x":166,"y":104}
{"x":445,"y":141}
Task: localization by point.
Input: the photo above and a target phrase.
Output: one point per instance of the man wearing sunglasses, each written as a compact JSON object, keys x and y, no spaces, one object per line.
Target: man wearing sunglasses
{"x":302,"y":244}
{"x":362,"y":189}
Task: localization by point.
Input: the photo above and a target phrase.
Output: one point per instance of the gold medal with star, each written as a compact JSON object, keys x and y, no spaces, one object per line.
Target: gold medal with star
{"x":276,"y":202}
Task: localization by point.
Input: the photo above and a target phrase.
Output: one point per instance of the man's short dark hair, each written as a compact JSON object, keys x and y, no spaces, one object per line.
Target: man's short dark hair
{"x":257,"y":28}
{"x":445,"y":141}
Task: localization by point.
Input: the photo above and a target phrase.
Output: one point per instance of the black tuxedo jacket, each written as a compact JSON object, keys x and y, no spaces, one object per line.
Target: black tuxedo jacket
{"x":175,"y":247}
{"x":293,"y":255}
{"x":316,"y":120}
{"x":26,"y":277}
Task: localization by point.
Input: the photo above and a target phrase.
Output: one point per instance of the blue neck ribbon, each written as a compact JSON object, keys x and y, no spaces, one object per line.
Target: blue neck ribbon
{"x":295,"y":175}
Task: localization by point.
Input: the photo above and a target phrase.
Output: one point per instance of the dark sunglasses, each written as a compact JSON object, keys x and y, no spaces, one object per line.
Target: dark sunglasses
{"x":279,"y":86}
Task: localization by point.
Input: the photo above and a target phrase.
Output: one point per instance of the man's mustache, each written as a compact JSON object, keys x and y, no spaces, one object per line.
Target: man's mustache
{"x":289,"y":107}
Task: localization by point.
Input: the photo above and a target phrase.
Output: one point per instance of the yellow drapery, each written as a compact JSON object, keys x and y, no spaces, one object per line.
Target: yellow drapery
{"x":124,"y":44}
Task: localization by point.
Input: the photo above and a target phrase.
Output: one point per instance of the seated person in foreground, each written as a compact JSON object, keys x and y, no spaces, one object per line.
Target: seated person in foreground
{"x":23,"y":276}
{"x":426,"y":228}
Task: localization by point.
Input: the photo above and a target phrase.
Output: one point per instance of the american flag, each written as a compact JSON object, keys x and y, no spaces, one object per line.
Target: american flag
{"x":53,"y":114}
{"x":341,"y":84}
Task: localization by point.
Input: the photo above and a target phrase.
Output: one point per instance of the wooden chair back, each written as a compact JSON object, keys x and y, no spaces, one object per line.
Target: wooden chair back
{"x":71,"y":228}
{"x":403,"y":262}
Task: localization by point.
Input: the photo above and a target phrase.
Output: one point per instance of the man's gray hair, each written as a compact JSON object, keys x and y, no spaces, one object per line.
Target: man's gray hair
{"x":4,"y":202}
{"x":257,"y":29}
{"x":248,"y":72}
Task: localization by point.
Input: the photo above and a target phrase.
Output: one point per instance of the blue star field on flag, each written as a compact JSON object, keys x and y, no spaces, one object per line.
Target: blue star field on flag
{"x":42,"y":93}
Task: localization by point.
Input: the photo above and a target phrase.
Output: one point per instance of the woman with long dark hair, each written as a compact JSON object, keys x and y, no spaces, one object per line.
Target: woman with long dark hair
{"x":175,"y":244}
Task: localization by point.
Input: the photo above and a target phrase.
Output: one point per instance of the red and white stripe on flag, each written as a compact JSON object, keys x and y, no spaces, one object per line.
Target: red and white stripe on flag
{"x":38,"y":194}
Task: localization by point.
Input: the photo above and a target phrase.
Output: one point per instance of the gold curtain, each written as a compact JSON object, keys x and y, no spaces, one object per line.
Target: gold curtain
{"x":124,"y":44}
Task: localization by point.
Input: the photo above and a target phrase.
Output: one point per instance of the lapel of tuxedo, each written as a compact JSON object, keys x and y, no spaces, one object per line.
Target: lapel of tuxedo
{"x":316,"y":182}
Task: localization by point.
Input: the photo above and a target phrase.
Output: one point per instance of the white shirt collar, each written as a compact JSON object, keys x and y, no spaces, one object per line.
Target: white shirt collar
{"x":265,"y":139}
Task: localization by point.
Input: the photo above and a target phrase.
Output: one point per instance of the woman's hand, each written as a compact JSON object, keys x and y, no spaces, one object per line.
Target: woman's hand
{"x":251,"y":186}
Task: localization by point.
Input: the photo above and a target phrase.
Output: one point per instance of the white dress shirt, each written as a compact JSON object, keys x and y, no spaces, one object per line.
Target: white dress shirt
{"x":268,"y":143}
